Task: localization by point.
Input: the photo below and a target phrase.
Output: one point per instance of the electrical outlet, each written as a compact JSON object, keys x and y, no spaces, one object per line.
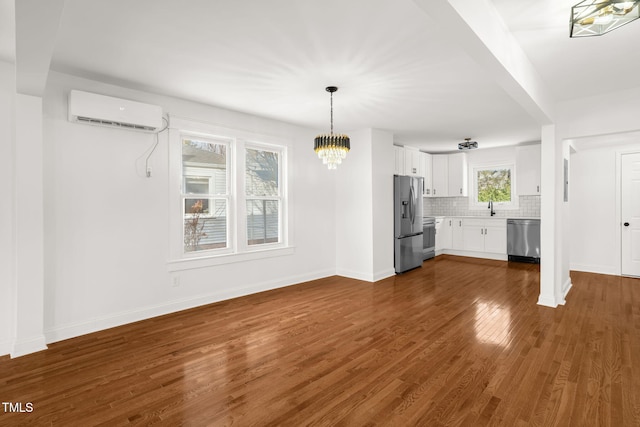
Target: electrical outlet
{"x":175,"y":281}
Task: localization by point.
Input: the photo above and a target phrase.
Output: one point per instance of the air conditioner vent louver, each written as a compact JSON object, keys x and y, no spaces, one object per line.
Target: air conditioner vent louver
{"x":101,"y":110}
{"x":117,"y":124}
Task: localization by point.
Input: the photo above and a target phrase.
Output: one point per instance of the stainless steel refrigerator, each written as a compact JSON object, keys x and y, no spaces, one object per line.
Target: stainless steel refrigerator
{"x":407,"y":202}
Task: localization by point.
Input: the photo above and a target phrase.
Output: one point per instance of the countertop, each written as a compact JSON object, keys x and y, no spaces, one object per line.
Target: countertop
{"x":482,"y":217}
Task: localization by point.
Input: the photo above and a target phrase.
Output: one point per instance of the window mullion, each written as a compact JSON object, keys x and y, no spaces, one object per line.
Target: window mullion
{"x":241,"y":199}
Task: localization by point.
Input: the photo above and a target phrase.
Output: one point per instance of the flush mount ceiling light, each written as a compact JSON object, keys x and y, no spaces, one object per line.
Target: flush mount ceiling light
{"x":596,"y":17}
{"x":329,"y":147}
{"x":468,"y":144}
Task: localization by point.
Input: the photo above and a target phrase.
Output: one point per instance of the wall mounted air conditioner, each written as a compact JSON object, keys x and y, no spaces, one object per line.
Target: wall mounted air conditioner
{"x":94,"y":109}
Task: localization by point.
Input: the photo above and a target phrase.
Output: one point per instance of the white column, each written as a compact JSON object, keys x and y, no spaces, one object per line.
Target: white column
{"x":550,"y":262}
{"x":364,"y":207}
{"x":29,"y":227}
{"x":382,"y":162}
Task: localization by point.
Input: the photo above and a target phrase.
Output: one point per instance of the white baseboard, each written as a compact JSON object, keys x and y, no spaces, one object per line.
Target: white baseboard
{"x":383,"y":274}
{"x":5,"y":347}
{"x":598,"y":269}
{"x":358,"y":275}
{"x":474,"y":254}
{"x":67,"y":331}
{"x":566,"y":287}
{"x":28,"y":346}
{"x":547,"y":301}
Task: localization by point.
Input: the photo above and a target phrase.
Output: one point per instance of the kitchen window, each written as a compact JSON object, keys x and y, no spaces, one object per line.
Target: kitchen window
{"x":493,"y":183}
{"x":232,"y":195}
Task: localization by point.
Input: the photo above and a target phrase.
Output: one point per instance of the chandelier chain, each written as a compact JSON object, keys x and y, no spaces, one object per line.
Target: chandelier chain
{"x":331,"y":113}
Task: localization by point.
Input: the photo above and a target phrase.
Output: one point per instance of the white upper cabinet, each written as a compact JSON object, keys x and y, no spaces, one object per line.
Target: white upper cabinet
{"x":457,"y":174}
{"x":399,"y":165}
{"x":440,"y":175}
{"x":412,"y":164}
{"x":427,"y":167}
{"x":528,"y":170}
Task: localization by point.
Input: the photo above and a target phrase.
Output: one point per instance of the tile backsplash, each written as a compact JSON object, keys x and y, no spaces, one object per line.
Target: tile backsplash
{"x":529,"y":206}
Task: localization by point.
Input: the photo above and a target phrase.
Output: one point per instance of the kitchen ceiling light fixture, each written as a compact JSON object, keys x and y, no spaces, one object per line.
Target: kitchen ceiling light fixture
{"x":329,"y":147}
{"x":597,"y":17}
{"x":468,"y":144}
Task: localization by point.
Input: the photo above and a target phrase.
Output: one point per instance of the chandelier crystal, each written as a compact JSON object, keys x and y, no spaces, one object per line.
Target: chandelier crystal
{"x":332,"y":149}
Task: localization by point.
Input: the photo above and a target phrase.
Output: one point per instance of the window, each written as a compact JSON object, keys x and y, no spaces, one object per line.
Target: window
{"x":205,"y":193}
{"x":493,"y":184}
{"x":229,"y":192}
{"x":262,"y":192}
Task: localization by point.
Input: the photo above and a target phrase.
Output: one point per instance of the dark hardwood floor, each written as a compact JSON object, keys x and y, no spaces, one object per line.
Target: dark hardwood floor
{"x":460,"y":341}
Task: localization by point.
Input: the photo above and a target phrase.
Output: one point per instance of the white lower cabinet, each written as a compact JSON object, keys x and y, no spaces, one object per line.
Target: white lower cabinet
{"x":495,"y":236}
{"x":443,"y":233}
{"x":485,"y":235}
{"x":457,"y":233}
{"x":450,"y":234}
{"x":472,"y":236}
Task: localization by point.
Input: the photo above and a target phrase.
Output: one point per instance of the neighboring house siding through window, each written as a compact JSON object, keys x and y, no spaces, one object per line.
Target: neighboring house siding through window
{"x":232,"y":195}
{"x":205,"y":193}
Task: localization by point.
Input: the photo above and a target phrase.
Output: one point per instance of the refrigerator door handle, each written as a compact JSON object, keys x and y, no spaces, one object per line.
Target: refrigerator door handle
{"x":412,"y":210}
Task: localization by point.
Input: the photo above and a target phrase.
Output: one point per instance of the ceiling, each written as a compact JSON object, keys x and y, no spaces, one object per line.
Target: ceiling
{"x":394,"y":68}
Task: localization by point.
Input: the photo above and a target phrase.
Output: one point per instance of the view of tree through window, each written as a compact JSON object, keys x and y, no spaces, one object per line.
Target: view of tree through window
{"x":494,"y":185}
{"x":204,"y":172}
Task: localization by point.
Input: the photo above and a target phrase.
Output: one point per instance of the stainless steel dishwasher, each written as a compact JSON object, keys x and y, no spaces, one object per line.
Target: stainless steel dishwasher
{"x":523,"y":240}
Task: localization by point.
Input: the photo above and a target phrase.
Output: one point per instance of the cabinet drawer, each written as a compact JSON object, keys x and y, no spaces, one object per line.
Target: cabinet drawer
{"x":474,"y":222}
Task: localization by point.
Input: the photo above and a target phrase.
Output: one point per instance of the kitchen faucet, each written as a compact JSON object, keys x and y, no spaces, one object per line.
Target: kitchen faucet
{"x":491,"y":207}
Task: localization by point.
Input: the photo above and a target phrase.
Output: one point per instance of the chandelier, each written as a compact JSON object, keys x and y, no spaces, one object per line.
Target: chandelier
{"x":332,"y":148}
{"x":597,"y":17}
{"x":468,"y":144}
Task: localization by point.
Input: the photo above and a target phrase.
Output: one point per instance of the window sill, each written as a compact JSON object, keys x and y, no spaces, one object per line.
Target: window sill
{"x":213,"y":260}
{"x":496,"y":207}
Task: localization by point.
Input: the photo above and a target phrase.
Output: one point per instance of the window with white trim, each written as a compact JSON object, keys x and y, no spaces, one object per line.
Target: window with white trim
{"x":230,"y":188}
{"x":493,"y":183}
{"x":205,"y":193}
{"x":262,"y":195}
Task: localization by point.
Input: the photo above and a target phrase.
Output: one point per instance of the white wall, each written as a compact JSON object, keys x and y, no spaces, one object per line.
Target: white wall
{"x":7,"y":259}
{"x":597,"y":126}
{"x":106,"y":224}
{"x":492,"y":155}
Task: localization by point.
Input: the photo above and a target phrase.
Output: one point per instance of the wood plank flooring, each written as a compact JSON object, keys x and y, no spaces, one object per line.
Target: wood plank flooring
{"x":460,"y":341}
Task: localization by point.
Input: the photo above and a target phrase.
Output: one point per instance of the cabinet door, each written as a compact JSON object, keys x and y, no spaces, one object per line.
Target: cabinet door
{"x":457,"y":238}
{"x":399,"y":165}
{"x":495,"y":236}
{"x":440,"y":175}
{"x":426,"y":173}
{"x":444,"y":234}
{"x":457,"y":174}
{"x":412,"y":164}
{"x":528,"y":170}
{"x":474,"y":230}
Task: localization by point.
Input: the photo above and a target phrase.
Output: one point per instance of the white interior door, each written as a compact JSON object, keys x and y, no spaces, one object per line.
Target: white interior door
{"x":631,"y":214}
